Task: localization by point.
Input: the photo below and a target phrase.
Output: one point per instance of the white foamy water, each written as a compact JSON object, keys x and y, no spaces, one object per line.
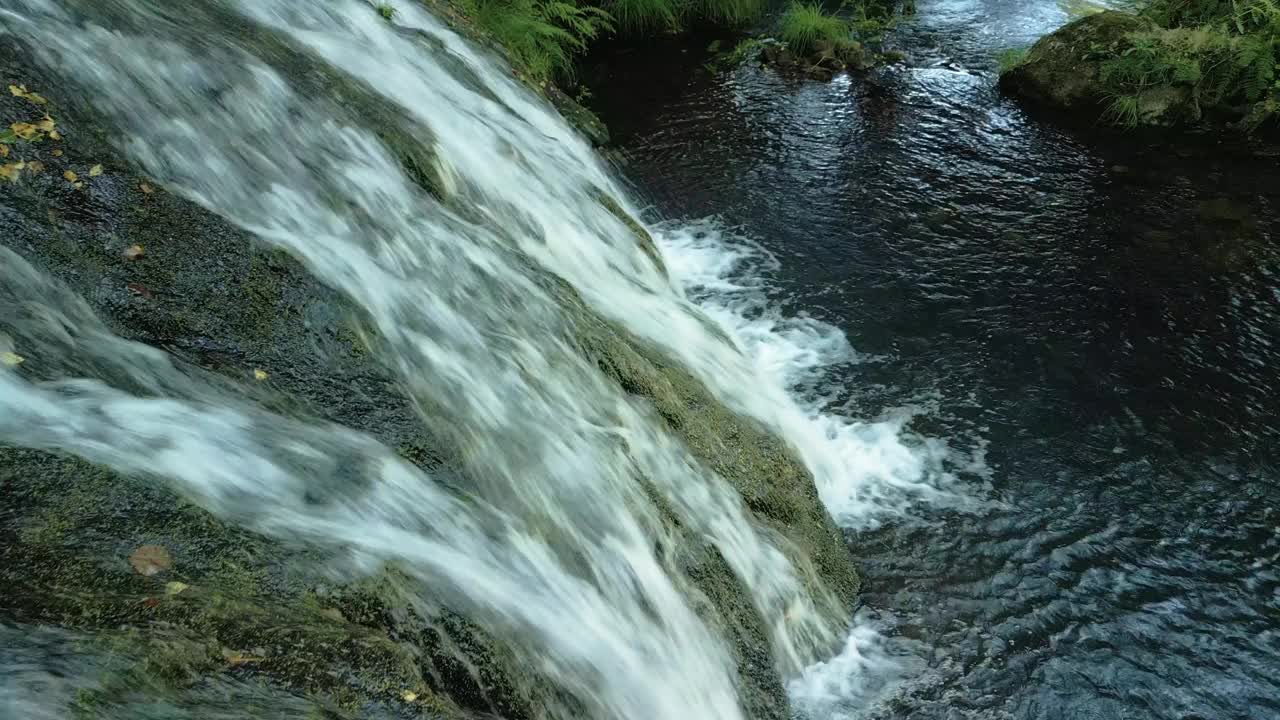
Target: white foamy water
{"x":865,"y":470}
{"x":554,"y":523}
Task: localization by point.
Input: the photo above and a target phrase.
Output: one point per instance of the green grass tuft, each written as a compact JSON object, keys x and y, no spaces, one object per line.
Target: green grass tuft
{"x":646,"y":15}
{"x":805,"y":25}
{"x":386,"y":10}
{"x":1123,"y":110}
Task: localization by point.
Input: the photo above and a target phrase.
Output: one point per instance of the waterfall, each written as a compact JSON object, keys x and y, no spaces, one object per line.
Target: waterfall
{"x":552,"y":540}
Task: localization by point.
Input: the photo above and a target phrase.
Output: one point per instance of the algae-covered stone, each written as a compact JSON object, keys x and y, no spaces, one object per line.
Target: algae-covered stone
{"x":1063,"y":69}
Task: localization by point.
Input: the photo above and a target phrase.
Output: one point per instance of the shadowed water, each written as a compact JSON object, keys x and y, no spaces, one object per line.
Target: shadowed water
{"x":1094,"y":314}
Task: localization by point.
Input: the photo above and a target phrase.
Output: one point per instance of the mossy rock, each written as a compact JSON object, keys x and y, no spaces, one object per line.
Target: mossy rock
{"x":223,"y":306}
{"x":1063,"y":69}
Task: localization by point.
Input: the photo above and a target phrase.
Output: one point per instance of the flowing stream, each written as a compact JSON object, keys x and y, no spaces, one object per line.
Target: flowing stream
{"x":554,"y":524}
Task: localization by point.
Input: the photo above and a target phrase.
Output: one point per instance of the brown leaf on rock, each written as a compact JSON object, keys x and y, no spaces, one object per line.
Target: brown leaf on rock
{"x":140,"y":290}
{"x":150,"y":560}
{"x":146,"y":189}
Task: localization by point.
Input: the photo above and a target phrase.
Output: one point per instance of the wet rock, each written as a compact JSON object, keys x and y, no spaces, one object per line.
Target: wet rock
{"x":225,"y":307}
{"x":778,"y":54}
{"x":585,"y":121}
{"x":818,"y":72}
{"x":1062,"y":70}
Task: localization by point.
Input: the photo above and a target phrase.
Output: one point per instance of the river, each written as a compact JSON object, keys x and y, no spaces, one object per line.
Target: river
{"x":1086,"y":318}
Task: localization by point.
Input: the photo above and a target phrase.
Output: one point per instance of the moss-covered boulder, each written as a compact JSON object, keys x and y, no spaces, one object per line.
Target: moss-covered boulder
{"x":1130,"y":71}
{"x":1063,"y":70}
{"x":229,"y":606}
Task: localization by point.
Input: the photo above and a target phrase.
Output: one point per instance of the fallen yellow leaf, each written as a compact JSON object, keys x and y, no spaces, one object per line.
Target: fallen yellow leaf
{"x":47,"y":124}
{"x":175,"y":587}
{"x":147,"y":189}
{"x":71,"y":176}
{"x":55,"y":135}
{"x":133,"y":252}
{"x":11,"y":359}
{"x":57,"y":153}
{"x":11,"y":172}
{"x":77,"y":185}
{"x":4,"y":150}
{"x":26,"y":131}
{"x":95,"y":171}
{"x":259,"y":375}
{"x":409,"y":696}
{"x":35,"y":166}
{"x":22,"y":92}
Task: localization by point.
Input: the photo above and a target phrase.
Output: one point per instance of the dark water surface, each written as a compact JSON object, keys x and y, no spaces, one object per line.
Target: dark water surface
{"x":1101,"y":308}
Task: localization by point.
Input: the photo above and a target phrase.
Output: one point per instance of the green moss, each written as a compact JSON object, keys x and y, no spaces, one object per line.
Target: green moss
{"x":773,"y":483}
{"x":775,"y":487}
{"x":246,"y":608}
{"x":1011,"y":58}
{"x":642,"y":236}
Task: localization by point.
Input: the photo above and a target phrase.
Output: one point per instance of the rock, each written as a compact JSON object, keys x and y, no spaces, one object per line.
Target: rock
{"x":781,"y":55}
{"x":818,"y":72}
{"x":891,"y":57}
{"x":1062,"y":70}
{"x":585,"y":121}
{"x":226,"y":308}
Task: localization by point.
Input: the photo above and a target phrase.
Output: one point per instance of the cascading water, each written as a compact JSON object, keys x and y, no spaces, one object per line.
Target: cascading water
{"x":553,"y":540}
